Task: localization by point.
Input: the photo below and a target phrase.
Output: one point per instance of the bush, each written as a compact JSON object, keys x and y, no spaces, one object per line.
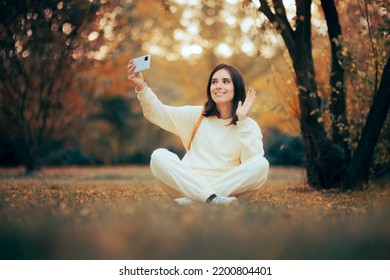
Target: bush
{"x":283,"y":149}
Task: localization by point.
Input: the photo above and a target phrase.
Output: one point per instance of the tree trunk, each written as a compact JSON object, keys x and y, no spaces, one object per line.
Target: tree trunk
{"x":323,"y":159}
{"x":340,"y":132}
{"x":358,"y":170}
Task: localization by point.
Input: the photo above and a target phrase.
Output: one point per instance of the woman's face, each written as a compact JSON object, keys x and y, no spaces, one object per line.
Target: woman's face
{"x":222,"y":88}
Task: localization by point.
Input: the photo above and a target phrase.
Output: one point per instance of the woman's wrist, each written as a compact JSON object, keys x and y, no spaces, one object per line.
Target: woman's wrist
{"x":140,"y":88}
{"x":241,"y":119}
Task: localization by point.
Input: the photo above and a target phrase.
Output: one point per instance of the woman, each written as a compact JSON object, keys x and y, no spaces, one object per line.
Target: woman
{"x":225,"y":155}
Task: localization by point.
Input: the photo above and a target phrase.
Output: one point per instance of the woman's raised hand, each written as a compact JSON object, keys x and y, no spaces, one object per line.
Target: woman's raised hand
{"x":136,"y":78}
{"x":244,"y":107}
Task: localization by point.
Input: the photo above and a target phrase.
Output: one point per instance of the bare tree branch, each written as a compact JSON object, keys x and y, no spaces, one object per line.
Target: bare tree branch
{"x":281,"y":23}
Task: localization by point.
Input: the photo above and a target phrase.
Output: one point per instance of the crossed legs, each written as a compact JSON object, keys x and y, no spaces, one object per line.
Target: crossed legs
{"x":179,"y":180}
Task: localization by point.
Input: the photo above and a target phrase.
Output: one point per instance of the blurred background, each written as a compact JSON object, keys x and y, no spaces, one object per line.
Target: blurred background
{"x":65,"y":98}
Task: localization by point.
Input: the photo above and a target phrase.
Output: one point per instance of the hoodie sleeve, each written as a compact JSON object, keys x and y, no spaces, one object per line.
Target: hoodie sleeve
{"x":177,"y":120}
{"x":251,"y":139}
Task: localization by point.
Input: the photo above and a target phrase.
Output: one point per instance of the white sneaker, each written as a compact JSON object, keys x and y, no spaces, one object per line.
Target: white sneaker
{"x":184,"y":201}
{"x":219,"y":199}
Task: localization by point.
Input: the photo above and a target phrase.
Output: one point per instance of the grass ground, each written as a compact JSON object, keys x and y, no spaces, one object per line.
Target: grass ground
{"x":120,"y":213}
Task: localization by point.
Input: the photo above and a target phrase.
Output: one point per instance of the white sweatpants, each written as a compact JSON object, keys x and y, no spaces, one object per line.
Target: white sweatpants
{"x":179,"y":180}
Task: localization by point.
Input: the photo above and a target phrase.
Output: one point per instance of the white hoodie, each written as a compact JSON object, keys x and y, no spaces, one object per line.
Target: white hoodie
{"x":217,"y":147}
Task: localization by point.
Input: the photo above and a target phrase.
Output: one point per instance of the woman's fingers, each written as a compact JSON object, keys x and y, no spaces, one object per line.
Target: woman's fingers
{"x":252,"y":93}
{"x":131,"y":66}
{"x":130,"y":69}
{"x":136,"y":78}
{"x":250,"y":98}
{"x":131,"y":63}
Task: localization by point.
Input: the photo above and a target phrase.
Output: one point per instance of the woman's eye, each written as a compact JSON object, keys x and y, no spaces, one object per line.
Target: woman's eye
{"x":224,"y":81}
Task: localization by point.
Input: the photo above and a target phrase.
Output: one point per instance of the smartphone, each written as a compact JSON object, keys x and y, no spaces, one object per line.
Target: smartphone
{"x":142,"y":63}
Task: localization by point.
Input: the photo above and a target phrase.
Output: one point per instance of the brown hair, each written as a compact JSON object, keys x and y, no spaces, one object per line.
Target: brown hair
{"x":210,"y":108}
